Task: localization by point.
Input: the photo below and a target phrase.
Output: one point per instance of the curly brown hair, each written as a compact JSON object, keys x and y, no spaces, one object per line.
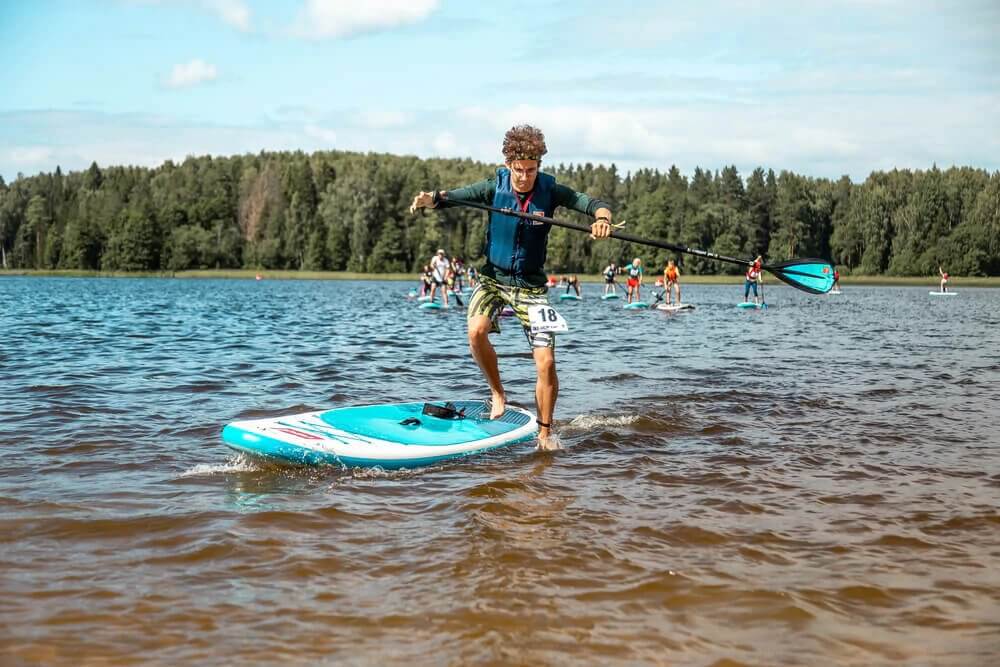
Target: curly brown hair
{"x":524,"y":142}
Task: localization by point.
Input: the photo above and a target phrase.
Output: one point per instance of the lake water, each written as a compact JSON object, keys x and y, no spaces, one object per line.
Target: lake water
{"x":817,"y":483}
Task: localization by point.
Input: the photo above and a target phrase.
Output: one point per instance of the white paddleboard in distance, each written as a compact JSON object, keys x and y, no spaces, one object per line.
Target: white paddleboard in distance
{"x":674,"y":307}
{"x":942,"y":293}
{"x":610,"y":295}
{"x":391,"y":435}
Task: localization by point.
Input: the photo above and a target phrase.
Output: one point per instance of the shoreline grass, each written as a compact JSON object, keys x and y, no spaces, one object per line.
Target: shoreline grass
{"x":250,"y":274}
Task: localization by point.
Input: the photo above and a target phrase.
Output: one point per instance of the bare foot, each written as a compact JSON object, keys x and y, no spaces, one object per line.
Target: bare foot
{"x":498,"y":403}
{"x":549,"y":442}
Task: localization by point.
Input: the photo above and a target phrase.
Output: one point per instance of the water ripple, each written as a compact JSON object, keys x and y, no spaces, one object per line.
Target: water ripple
{"x":825,"y":471}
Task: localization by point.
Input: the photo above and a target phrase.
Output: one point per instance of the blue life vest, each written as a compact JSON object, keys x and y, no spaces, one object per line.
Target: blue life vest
{"x":514,"y":245}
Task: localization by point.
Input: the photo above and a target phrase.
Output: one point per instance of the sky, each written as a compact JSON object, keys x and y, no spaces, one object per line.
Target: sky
{"x":822,"y":88}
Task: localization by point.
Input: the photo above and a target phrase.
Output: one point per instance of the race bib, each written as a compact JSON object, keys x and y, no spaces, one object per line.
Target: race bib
{"x":545,"y":319}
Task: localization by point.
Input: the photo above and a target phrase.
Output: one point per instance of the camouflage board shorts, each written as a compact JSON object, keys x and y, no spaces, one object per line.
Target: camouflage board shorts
{"x":490,"y":297}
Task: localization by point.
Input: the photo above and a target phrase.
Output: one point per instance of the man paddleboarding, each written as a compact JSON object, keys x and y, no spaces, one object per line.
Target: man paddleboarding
{"x":440,"y":266}
{"x":514,"y":274}
{"x":573,"y":283}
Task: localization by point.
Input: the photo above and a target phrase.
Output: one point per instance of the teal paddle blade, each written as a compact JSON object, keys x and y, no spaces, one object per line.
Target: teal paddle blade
{"x":809,"y":275}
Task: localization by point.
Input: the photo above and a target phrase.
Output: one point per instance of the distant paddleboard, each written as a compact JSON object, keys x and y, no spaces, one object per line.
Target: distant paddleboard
{"x":674,"y":307}
{"x":942,"y":293}
{"x":392,"y":435}
{"x":568,"y":297}
{"x":636,"y":305}
{"x":836,"y":291}
{"x":751,"y":304}
{"x":611,"y":295}
{"x":423,"y":298}
{"x":430,"y":305}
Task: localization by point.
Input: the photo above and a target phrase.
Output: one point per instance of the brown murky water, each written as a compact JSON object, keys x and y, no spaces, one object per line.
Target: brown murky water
{"x":815,"y":484}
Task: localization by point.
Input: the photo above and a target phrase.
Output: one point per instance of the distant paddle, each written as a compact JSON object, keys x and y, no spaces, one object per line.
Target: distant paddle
{"x":809,"y":275}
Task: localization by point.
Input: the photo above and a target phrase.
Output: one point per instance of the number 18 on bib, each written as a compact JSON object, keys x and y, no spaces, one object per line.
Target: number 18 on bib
{"x":545,"y":319}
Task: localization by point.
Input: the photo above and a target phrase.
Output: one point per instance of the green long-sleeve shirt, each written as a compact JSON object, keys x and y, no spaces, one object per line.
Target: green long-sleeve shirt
{"x":483,"y":193}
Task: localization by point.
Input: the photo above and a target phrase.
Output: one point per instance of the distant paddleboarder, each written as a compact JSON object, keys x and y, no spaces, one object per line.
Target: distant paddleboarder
{"x":944,"y":279}
{"x":671,"y":280}
{"x":753,"y":276}
{"x":572,"y":282}
{"x":610,"y":271}
{"x":634,"y":282}
{"x":426,"y":280}
{"x":515,"y":256}
{"x":439,"y":275}
{"x":836,"y":281}
{"x":458,"y":269}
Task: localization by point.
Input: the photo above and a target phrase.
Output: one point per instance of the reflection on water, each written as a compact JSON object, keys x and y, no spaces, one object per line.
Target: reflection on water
{"x":826,"y":471}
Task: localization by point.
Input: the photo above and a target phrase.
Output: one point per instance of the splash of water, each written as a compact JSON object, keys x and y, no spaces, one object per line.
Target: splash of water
{"x":590,"y":422}
{"x":238,"y":463}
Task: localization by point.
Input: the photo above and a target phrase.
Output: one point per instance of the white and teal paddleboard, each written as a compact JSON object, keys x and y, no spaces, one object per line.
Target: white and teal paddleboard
{"x":430,"y":305}
{"x":636,"y":305}
{"x":611,"y":295}
{"x":394,"y":435}
{"x":751,"y":304}
{"x":424,"y":298}
{"x":942,"y":293}
{"x":674,"y":307}
{"x":568,"y":297}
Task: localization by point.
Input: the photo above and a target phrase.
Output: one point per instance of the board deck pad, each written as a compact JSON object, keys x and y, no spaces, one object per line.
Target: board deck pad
{"x":373,"y":435}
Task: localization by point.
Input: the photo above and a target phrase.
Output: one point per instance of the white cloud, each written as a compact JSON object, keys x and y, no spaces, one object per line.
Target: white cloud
{"x":77,"y":138}
{"x":191,"y":73}
{"x":380,"y":120}
{"x":826,"y":135}
{"x":323,"y":134}
{"x":28,"y":155}
{"x":232,"y":12}
{"x":445,"y":144}
{"x":336,"y":18}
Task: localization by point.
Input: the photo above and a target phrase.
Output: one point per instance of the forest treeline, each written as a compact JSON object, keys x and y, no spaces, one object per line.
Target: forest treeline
{"x":348,"y":211}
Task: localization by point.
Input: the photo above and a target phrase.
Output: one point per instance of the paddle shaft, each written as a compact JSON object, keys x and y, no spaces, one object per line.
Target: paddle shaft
{"x":622,"y":236}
